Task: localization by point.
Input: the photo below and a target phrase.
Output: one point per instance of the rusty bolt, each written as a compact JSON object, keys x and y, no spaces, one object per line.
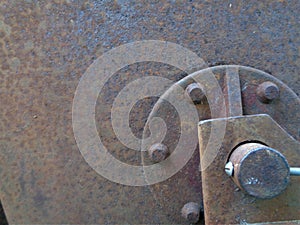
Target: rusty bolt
{"x":195,"y":92}
{"x":158,"y":152}
{"x":259,"y":170}
{"x":267,"y":92}
{"x":191,"y":212}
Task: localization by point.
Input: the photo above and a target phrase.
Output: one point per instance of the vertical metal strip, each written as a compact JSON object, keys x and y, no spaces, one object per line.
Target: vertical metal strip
{"x":233,"y":92}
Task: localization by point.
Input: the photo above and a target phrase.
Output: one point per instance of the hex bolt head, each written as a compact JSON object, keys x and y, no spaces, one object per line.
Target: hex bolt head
{"x":195,"y":92}
{"x":158,"y":152}
{"x":191,"y":212}
{"x":267,"y":92}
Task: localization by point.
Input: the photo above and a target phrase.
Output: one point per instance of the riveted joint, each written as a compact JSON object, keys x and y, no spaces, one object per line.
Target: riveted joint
{"x":158,"y":152}
{"x":267,"y":92}
{"x":191,"y":212}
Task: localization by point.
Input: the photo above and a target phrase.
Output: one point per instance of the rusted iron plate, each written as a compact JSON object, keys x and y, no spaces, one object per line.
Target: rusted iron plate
{"x":224,"y":203}
{"x":228,"y":78}
{"x":232,"y":90}
{"x":284,"y":109}
{"x":181,"y":140}
{"x":45,"y":49}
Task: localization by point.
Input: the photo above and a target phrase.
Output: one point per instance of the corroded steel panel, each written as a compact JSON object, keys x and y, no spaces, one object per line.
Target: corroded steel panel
{"x":45,"y":48}
{"x":224,"y":202}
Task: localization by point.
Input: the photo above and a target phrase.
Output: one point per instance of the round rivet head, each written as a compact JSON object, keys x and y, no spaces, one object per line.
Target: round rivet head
{"x":195,"y":92}
{"x":267,"y":92}
{"x":158,"y":152}
{"x":191,"y":212}
{"x":260,"y":170}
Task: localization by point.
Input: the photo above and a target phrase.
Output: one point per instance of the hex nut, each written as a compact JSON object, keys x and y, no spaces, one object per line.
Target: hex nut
{"x":195,"y":92}
{"x":191,"y":212}
{"x":267,"y":92}
{"x":158,"y":152}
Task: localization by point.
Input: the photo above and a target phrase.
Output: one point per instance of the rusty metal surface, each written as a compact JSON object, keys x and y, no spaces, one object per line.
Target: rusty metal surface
{"x":259,"y":170}
{"x":188,"y":180}
{"x":267,"y":92}
{"x":191,"y":212}
{"x":45,"y":47}
{"x":284,"y":110}
{"x":224,"y":203}
{"x":232,"y":91}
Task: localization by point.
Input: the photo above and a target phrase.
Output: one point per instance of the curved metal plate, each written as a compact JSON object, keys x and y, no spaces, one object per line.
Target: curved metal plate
{"x":225,"y":203}
{"x":188,"y":180}
{"x":45,"y":48}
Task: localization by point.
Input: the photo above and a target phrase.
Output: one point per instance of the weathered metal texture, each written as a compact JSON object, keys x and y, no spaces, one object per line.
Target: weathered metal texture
{"x":45,"y":47}
{"x":224,"y":203}
{"x":195,"y":92}
{"x":158,"y":152}
{"x":284,"y":109}
{"x":231,"y":78}
{"x":191,"y":212}
{"x":267,"y":92}
{"x":185,"y":186}
{"x":232,"y":91}
{"x":259,"y":170}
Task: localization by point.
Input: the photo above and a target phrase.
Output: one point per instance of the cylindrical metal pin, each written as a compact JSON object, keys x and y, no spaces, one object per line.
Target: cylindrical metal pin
{"x":295,"y":171}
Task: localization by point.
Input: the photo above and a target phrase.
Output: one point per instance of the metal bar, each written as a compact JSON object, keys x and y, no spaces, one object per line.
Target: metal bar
{"x":233,"y":88}
{"x":295,"y":171}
